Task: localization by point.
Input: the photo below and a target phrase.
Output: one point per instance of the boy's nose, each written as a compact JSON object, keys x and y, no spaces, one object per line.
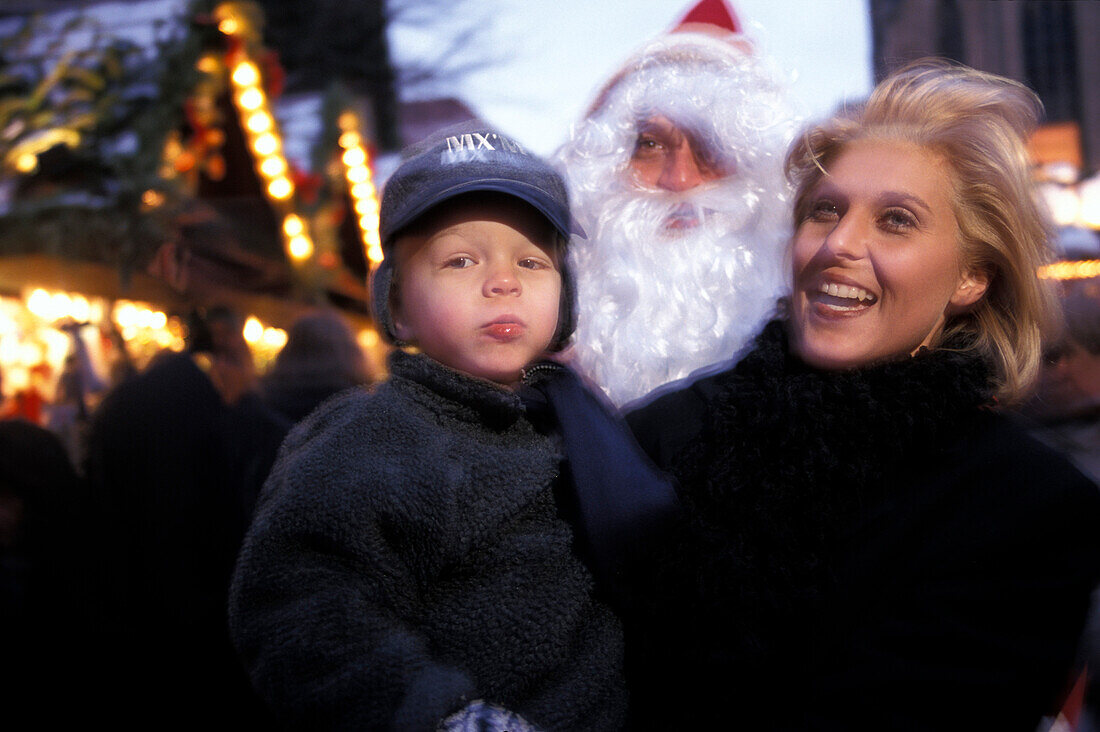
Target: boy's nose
{"x":502,"y":280}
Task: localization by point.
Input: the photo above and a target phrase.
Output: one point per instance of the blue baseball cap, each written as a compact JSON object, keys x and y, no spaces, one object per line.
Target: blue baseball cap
{"x":469,"y":159}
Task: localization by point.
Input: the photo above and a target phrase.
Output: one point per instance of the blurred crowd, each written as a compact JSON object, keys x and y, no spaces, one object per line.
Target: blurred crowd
{"x":123,"y":502}
{"x":120,"y":522}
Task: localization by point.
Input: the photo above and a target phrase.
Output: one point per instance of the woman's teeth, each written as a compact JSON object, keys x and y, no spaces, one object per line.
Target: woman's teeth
{"x":847,"y":292}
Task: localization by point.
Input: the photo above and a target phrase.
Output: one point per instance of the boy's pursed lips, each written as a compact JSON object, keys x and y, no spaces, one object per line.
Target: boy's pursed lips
{"x":505,"y":328}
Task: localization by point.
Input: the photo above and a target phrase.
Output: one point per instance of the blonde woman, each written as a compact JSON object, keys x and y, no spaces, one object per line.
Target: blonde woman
{"x":871,"y":543}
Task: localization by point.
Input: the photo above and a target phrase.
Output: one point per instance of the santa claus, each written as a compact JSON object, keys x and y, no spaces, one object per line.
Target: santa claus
{"x":676,"y":176}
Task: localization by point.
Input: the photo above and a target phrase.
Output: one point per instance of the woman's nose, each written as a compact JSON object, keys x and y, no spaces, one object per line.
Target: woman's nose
{"x":847,"y":239}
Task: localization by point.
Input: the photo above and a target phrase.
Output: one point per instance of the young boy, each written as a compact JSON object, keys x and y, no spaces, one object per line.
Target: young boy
{"x":408,"y":567}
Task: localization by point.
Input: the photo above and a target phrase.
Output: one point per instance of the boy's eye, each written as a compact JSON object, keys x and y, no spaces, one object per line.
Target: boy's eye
{"x":460,"y":262}
{"x":531,"y":263}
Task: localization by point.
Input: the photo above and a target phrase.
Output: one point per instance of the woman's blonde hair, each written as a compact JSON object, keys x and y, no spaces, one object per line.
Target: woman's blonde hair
{"x":978,"y":123}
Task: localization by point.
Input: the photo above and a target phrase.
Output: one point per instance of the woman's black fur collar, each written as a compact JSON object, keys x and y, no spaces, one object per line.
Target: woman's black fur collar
{"x":780,"y":417}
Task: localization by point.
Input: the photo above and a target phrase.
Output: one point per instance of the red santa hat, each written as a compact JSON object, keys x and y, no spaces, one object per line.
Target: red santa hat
{"x":714,"y":19}
{"x":710,"y":12}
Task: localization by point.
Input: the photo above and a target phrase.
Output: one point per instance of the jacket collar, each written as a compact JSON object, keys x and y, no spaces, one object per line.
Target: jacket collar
{"x":467,"y":398}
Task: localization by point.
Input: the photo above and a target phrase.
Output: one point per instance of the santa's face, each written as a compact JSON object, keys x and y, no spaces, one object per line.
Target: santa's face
{"x":669,"y":157}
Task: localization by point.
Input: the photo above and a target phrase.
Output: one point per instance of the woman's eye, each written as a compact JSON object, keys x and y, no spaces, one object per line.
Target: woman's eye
{"x":822,"y":211}
{"x":898,"y":220}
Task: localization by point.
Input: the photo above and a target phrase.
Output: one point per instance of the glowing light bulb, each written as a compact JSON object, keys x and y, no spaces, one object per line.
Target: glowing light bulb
{"x":364,"y":190}
{"x":60,"y":305}
{"x":80,"y":309}
{"x":26,"y":163}
{"x":299,"y":248}
{"x":152,"y":198}
{"x":207,"y":64}
{"x":251,"y":98}
{"x":292,"y":225}
{"x":273,"y":166}
{"x":354,"y":157}
{"x":39,"y":303}
{"x":358,"y":174}
{"x":253,"y":329}
{"x":281,"y":188}
{"x":274,"y":337}
{"x":265,"y":144}
{"x":126,"y":315}
{"x":246,"y":74}
{"x":347,"y":121}
{"x":259,"y":122}
{"x":349,"y":140}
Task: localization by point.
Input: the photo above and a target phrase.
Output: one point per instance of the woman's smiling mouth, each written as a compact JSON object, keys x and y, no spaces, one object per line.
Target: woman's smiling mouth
{"x":842,"y":298}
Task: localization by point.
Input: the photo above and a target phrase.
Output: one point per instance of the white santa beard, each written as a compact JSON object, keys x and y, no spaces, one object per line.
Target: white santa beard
{"x":656,"y":305}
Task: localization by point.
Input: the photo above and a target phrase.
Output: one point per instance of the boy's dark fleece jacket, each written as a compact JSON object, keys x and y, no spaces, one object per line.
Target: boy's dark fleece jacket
{"x":407,"y":557}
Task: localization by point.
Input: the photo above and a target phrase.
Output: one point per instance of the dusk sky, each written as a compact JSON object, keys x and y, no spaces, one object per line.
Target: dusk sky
{"x":550,"y":56}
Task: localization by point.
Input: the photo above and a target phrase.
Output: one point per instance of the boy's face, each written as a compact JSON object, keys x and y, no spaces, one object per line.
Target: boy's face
{"x":478,"y":287}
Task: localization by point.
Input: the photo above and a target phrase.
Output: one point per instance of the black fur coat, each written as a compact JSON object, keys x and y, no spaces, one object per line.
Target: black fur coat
{"x":864,"y":549}
{"x":407,"y":558}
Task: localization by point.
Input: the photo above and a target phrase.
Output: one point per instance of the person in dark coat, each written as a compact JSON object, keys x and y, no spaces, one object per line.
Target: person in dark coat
{"x":871,"y":542}
{"x":321,"y":357}
{"x":40,"y":593}
{"x":176,"y":457}
{"x":409,"y":566}
{"x":1067,"y":405}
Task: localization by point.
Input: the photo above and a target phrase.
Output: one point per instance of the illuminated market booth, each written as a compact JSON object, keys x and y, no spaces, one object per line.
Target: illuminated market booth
{"x":1074,"y":203}
{"x":145,"y":180}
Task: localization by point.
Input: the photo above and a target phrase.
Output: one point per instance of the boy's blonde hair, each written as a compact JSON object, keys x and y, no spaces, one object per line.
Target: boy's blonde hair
{"x":978,"y":123}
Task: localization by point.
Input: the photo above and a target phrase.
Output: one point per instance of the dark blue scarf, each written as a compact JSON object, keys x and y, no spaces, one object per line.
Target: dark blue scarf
{"x":618,"y":503}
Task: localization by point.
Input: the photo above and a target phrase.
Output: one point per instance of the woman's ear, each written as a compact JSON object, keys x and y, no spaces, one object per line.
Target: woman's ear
{"x":972,"y":286}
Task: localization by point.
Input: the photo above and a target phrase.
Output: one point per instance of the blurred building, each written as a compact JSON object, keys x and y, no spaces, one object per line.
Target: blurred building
{"x":1049,"y":46}
{"x":150,"y":166}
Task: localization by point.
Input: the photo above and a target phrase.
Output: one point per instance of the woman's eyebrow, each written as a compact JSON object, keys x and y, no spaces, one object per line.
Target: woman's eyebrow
{"x":889,"y":198}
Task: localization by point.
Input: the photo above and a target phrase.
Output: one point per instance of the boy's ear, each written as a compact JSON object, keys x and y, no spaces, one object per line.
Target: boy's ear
{"x":404,"y":334}
{"x":400,"y":329}
{"x":972,"y":286}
